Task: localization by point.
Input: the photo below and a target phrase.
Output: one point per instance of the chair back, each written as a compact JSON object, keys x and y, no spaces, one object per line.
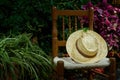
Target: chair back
{"x":64,"y":22}
{"x":116,"y":2}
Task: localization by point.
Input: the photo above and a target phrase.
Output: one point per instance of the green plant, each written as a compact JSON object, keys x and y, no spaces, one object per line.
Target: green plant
{"x":18,"y":16}
{"x":71,"y":4}
{"x":22,"y":60}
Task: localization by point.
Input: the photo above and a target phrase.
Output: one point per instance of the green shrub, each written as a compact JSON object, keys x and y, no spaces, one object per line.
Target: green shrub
{"x":22,"y":60}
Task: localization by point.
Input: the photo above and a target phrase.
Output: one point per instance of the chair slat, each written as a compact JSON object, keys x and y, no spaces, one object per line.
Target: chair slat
{"x":116,"y":2}
{"x":63,"y":28}
{"x":69,"y":24}
{"x":61,"y":43}
{"x":81,"y":22}
{"x":75,"y":23}
{"x":72,"y":12}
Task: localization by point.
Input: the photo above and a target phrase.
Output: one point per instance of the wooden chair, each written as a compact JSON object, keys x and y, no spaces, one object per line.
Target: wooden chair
{"x":116,"y":2}
{"x":64,"y":22}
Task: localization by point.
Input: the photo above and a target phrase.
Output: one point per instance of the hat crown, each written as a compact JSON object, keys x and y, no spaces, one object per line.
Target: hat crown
{"x":87,"y":45}
{"x":89,"y":42}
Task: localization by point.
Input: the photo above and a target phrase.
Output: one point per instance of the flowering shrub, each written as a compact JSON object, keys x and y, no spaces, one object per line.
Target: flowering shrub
{"x":106,"y":23}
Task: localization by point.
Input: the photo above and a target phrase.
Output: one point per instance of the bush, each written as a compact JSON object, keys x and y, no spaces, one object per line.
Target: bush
{"x":106,"y":23}
{"x":22,"y":60}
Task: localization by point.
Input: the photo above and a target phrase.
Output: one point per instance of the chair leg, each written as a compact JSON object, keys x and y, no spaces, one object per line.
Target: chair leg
{"x":60,"y":70}
{"x":112,"y":70}
{"x":90,"y":75}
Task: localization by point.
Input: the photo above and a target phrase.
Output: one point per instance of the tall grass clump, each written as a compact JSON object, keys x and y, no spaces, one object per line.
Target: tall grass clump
{"x":22,"y":60}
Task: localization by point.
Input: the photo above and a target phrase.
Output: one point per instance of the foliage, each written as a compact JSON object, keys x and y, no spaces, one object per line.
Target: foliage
{"x":21,"y":15}
{"x":22,"y":60}
{"x":33,"y":16}
{"x":72,"y":4}
{"x":17,"y":15}
{"x":106,"y":22}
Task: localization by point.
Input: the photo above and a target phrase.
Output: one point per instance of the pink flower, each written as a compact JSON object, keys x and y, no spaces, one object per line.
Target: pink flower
{"x":107,"y":22}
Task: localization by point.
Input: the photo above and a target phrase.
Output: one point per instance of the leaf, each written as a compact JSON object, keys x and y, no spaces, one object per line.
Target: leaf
{"x":85,"y":29}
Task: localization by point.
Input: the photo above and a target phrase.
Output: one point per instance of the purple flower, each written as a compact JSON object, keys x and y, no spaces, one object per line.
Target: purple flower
{"x":106,"y":22}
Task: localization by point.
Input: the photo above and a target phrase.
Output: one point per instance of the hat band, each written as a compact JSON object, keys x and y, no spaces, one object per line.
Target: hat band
{"x":82,"y":53}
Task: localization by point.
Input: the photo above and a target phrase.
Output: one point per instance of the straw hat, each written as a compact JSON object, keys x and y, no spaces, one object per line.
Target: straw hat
{"x":86,"y":46}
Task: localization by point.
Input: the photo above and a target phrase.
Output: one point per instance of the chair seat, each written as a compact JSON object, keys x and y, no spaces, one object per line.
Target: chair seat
{"x":70,"y":64}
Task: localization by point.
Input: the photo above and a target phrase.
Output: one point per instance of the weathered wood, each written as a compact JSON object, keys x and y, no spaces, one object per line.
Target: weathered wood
{"x":116,"y":2}
{"x":112,"y":69}
{"x":60,"y":70}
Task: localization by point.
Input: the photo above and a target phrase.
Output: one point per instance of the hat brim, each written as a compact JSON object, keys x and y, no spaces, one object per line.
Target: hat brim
{"x":74,"y":53}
